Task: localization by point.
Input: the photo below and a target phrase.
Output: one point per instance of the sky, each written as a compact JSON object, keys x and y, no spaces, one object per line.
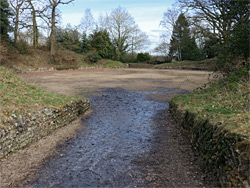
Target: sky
{"x":146,"y":13}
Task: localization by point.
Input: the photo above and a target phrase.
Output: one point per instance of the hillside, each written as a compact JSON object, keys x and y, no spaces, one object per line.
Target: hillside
{"x":65,"y":59}
{"x":18,"y":97}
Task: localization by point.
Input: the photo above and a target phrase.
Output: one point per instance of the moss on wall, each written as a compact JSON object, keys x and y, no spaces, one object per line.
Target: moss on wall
{"x":23,"y":129}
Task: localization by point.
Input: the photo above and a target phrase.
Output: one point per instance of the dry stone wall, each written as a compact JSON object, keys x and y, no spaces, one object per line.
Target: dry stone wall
{"x":225,"y":154}
{"x":21,"y":130}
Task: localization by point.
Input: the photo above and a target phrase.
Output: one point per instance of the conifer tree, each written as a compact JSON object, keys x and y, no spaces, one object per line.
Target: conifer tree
{"x":182,"y":45}
{"x":100,"y":41}
{"x":5,"y":14}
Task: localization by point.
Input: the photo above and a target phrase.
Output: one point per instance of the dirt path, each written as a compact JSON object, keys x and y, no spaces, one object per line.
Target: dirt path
{"x":129,"y":139}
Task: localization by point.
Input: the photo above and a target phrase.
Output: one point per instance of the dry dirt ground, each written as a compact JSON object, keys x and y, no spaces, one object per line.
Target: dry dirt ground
{"x":23,"y":165}
{"x":89,"y":81}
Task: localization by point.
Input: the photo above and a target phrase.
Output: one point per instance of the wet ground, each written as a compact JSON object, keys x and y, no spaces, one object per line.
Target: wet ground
{"x":129,"y":140}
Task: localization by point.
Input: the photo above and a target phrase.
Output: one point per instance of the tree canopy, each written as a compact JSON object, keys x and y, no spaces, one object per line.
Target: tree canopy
{"x":229,"y":22}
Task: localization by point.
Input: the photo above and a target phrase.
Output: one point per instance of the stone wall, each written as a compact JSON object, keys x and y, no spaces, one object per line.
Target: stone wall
{"x":43,"y":69}
{"x":225,"y":154}
{"x":20,"y":131}
{"x":187,"y":68}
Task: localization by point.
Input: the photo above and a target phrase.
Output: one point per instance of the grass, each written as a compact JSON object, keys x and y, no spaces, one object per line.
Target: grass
{"x":104,"y":63}
{"x":207,"y":64}
{"x":110,"y":64}
{"x":224,"y":103}
{"x":16,"y":96}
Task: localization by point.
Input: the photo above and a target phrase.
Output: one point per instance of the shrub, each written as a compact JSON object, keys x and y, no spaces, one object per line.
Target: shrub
{"x":143,"y":57}
{"x":93,"y":57}
{"x":128,"y":58}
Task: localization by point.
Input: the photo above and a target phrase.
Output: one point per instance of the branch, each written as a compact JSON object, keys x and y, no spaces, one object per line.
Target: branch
{"x":64,"y":3}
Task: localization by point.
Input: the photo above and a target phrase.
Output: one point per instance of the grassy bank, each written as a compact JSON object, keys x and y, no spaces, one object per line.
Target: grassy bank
{"x":225,"y":103}
{"x":216,"y":122}
{"x":65,"y":59}
{"x":207,"y":64}
{"x":18,"y":97}
{"x":40,"y":59}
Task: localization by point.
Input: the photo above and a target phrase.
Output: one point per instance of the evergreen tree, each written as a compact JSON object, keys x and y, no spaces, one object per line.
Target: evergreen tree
{"x":5,"y":14}
{"x":85,"y":43}
{"x":101,"y":42}
{"x":211,"y":46}
{"x":182,"y":45}
{"x":189,"y":50}
{"x":69,"y":38}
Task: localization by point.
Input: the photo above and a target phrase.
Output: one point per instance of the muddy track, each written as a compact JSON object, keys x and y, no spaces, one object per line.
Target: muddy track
{"x":128,"y":141}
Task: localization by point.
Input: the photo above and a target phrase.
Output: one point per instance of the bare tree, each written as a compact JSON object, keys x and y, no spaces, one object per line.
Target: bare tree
{"x":36,"y":9}
{"x":138,"y":40}
{"x":216,"y":13}
{"x":169,"y":18}
{"x":34,"y":25}
{"x":168,"y":21}
{"x":87,"y":22}
{"x":17,"y":7}
{"x":124,"y":32}
{"x":53,"y":4}
{"x":102,"y":22}
{"x":163,"y":48}
{"x":120,"y":26}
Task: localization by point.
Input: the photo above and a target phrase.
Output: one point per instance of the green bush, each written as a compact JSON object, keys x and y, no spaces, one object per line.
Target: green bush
{"x":129,"y":58}
{"x":143,"y":57}
{"x":93,"y":57}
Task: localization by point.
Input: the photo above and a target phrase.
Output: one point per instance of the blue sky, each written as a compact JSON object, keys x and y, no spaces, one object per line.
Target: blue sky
{"x":147,"y":13}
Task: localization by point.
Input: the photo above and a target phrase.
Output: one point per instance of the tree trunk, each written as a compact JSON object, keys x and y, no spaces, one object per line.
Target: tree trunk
{"x":132,"y":46}
{"x":119,"y":44}
{"x":16,"y":8}
{"x":16,"y":28}
{"x":179,"y":53}
{"x":53,"y":33}
{"x":35,"y":31}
